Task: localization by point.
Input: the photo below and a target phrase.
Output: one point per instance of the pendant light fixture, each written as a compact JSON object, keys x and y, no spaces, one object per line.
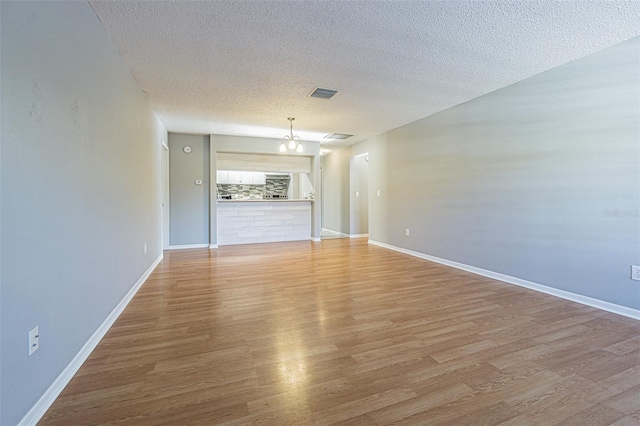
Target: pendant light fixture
{"x":291,"y":142}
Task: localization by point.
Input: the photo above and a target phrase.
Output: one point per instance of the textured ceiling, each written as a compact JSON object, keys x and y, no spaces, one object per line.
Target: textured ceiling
{"x":243,"y":67}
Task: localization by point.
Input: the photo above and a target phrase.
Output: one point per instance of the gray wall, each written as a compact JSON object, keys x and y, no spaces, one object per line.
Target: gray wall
{"x":336,"y":176}
{"x":80,"y":194}
{"x":359,"y":195}
{"x":189,"y":203}
{"x":539,"y":180}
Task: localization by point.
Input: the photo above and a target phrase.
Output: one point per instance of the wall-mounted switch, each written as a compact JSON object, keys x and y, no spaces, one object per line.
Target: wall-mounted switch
{"x":406,"y":232}
{"x":34,"y":340}
{"x":635,"y":272}
{"x":198,"y":182}
{"x":145,"y":248}
{"x":357,"y":194}
{"x":378,"y":192}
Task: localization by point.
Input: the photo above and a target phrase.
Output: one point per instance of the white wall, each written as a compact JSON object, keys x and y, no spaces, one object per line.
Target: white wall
{"x":80,"y":188}
{"x":539,"y":181}
{"x":306,"y":187}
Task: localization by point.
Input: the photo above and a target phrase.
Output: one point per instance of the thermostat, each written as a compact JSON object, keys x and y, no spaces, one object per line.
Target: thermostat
{"x":187,"y":149}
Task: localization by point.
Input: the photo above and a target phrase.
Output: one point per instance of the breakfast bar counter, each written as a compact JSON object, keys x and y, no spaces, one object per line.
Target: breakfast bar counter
{"x":263,"y":221}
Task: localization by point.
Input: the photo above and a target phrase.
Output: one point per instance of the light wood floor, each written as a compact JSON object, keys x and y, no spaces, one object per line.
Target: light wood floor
{"x":341,"y":332}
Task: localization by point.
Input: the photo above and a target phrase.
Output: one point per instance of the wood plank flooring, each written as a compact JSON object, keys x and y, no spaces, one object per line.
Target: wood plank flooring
{"x":341,"y":332}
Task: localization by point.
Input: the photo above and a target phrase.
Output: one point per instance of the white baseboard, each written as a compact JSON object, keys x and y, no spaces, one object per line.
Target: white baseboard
{"x":585,"y":300}
{"x":342,"y":234}
{"x":213,"y":246}
{"x":358,"y":235}
{"x":40,"y":408}
{"x":315,"y":239}
{"x":189,"y":246}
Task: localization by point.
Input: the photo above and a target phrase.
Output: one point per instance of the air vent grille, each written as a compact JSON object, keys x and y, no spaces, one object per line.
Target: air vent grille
{"x":341,"y":136}
{"x":321,"y":93}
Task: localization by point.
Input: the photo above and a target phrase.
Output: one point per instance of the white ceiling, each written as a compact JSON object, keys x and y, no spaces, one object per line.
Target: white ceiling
{"x":243,"y":67}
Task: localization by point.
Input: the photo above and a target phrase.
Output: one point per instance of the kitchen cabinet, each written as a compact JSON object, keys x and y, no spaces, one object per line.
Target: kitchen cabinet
{"x":222,"y":176}
{"x":246,"y":177}
{"x":259,"y":178}
{"x":236,"y":177}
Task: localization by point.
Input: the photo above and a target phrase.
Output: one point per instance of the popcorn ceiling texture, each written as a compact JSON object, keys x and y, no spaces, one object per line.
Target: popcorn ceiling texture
{"x":242,"y":68}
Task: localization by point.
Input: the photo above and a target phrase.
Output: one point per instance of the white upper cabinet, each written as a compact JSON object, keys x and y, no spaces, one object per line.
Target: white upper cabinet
{"x":259,"y":178}
{"x":237,"y":177}
{"x":247,"y":178}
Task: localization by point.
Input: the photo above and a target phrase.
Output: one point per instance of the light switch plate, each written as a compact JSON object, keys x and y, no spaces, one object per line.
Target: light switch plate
{"x":635,"y":272}
{"x":34,"y":340}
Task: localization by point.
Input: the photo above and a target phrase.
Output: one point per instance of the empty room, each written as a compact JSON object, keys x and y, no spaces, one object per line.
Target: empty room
{"x":320,"y":212}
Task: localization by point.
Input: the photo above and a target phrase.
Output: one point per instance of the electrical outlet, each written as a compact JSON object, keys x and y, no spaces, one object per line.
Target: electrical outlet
{"x":635,"y":272}
{"x":406,"y":232}
{"x":34,"y":340}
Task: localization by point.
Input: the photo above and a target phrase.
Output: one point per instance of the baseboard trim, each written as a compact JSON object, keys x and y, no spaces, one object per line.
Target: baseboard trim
{"x":342,"y":234}
{"x":189,"y":246}
{"x":40,"y":408}
{"x":213,"y":246}
{"x":359,"y":235}
{"x":315,"y":239}
{"x":585,"y":300}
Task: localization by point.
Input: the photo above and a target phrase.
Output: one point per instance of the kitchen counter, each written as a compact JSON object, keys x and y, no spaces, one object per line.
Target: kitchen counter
{"x":263,"y":221}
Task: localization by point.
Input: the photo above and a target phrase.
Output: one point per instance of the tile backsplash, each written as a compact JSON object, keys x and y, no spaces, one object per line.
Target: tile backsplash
{"x":255,"y":192}
{"x":241,"y":190}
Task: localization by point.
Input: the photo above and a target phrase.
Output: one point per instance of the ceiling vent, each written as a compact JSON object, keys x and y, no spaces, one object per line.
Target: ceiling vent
{"x":341,"y":136}
{"x":321,"y":93}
